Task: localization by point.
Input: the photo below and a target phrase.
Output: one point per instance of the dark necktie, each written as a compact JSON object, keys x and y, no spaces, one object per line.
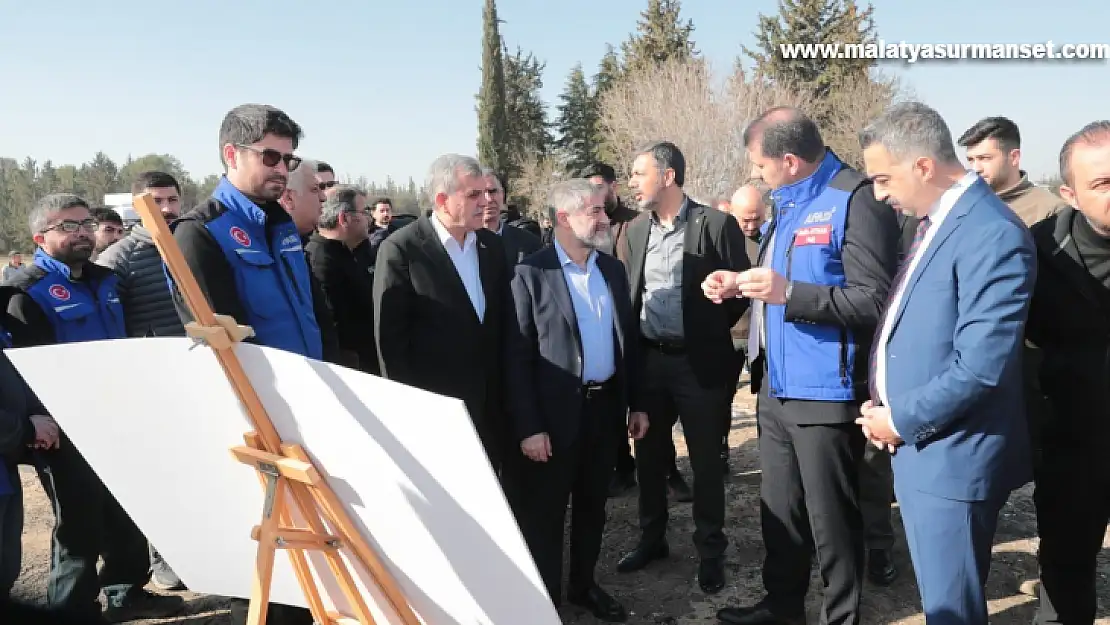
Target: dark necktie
{"x":899,"y":277}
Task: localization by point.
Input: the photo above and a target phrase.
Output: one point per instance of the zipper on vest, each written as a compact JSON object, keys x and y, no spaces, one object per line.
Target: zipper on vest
{"x":844,"y":356}
{"x":789,"y":258}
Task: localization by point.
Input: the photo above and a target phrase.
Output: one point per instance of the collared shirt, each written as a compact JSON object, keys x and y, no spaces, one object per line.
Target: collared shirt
{"x":465,"y":259}
{"x":593,"y":309}
{"x":937,"y":216}
{"x":661,"y":317}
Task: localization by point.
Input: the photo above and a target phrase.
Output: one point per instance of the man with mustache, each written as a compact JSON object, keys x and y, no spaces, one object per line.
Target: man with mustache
{"x":64,"y":298}
{"x":573,"y":344}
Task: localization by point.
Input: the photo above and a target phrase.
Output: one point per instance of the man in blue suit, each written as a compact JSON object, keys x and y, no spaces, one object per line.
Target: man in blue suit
{"x":946,"y":380}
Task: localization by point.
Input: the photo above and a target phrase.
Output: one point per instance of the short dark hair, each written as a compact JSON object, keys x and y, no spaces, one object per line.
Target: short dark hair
{"x":383,"y":200}
{"x":154,"y":180}
{"x":607,"y":173}
{"x":249,"y":123}
{"x":998,"y":128}
{"x":322,"y":167}
{"x":104,"y":214}
{"x":1092,"y":132}
{"x":786,"y":130}
{"x":667,"y":156}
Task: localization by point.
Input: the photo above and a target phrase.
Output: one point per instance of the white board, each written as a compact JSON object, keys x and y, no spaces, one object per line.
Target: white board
{"x":406,"y":463}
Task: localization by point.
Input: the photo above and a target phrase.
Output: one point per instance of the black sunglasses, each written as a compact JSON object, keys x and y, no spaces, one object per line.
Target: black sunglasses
{"x":328,"y":184}
{"x":271,"y":157}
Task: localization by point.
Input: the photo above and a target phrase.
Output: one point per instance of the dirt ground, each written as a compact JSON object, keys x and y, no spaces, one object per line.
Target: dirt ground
{"x":667,"y":592}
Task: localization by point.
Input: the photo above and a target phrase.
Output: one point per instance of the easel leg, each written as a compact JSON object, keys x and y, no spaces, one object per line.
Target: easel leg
{"x":264,"y":560}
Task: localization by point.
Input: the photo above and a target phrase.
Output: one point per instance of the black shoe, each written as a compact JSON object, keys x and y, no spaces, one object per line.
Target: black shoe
{"x":599,"y":603}
{"x":680,"y":491}
{"x":642,"y":556}
{"x":758,"y":614}
{"x":880,"y":567}
{"x":621,"y":483}
{"x":140,"y":604}
{"x":711,"y":575}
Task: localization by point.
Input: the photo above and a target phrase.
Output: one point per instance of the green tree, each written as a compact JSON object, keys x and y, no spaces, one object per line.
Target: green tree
{"x":98,"y":178}
{"x":528,"y":133}
{"x":661,"y":35}
{"x":813,"y":22}
{"x":492,"y":120}
{"x":608,"y":70}
{"x":577,"y":123}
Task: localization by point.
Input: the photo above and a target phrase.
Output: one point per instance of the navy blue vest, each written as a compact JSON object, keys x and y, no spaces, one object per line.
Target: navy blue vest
{"x":271,"y":276}
{"x":806,"y":360}
{"x":86,"y":310}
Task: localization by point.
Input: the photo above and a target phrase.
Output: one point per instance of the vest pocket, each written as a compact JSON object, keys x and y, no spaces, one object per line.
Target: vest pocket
{"x":259,"y":283}
{"x":74,"y":312}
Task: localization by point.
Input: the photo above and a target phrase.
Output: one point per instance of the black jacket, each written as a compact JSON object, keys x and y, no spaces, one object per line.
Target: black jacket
{"x":544,"y":382}
{"x":712,"y":241}
{"x":519,"y":244}
{"x":348,"y":292}
{"x":1069,"y":323}
{"x":143,"y":288}
{"x":17,"y":403}
{"x":427,"y":333}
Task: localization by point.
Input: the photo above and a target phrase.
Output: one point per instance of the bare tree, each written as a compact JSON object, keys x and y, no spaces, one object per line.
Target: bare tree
{"x":849,"y":106}
{"x":529,"y":190}
{"x":680,"y":101}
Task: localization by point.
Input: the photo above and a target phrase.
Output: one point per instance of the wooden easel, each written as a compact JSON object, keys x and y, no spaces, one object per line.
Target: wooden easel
{"x":283,"y":469}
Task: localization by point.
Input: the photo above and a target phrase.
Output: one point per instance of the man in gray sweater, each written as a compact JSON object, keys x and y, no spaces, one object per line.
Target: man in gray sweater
{"x":145,"y":296}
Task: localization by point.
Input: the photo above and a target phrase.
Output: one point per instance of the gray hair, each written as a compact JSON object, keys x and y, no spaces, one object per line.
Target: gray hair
{"x":301,"y":178}
{"x":444,"y":173}
{"x":343,"y":200}
{"x":911,"y":130}
{"x":570,"y":196}
{"x":49,"y":206}
{"x":489,"y":172}
{"x":1093,"y":133}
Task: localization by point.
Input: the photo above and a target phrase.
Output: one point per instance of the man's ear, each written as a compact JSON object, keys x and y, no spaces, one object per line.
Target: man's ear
{"x":1068,"y":195}
{"x":230,"y":155}
{"x":39,"y":239}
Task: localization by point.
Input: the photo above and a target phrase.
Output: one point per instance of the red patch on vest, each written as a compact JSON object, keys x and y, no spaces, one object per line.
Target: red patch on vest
{"x":813,"y":235}
{"x":59,"y":292}
{"x":240,"y":236}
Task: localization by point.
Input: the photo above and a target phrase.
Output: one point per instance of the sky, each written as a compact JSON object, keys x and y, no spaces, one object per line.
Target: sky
{"x":382,"y":88}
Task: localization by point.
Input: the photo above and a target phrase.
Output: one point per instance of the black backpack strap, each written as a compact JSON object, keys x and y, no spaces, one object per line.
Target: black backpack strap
{"x":848,"y":179}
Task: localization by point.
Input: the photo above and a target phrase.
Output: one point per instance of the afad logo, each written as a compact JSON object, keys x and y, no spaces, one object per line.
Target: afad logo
{"x":240,"y":236}
{"x":59,"y":292}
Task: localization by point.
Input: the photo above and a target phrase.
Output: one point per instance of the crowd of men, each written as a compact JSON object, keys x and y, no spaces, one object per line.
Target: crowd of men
{"x":917,"y":330}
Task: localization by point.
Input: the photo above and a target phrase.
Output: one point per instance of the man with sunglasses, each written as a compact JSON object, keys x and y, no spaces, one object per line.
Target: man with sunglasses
{"x":325,"y":176}
{"x":64,"y":298}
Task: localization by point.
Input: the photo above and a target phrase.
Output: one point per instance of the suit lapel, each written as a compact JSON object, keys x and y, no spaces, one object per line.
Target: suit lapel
{"x":614,"y":299}
{"x":638,"y":231}
{"x":955,"y":215}
{"x":553,"y":273}
{"x":487,"y":274}
{"x":695,"y":223}
{"x":439,"y":257}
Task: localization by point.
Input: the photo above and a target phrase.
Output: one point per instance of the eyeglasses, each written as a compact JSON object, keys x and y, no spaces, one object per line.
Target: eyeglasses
{"x":328,"y":184}
{"x":271,"y":157}
{"x":70,"y":226}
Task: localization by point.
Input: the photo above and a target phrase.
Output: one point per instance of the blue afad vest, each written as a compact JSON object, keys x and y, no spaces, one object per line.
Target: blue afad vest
{"x":805,"y":360}
{"x":271,"y":276}
{"x":87,"y":310}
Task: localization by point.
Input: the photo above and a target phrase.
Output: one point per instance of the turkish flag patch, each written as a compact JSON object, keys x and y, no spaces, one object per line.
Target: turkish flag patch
{"x":813,"y":235}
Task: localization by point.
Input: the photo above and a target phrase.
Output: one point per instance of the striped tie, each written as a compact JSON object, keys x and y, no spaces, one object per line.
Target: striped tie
{"x":899,"y":277}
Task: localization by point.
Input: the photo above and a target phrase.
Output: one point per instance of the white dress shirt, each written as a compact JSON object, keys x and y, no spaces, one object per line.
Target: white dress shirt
{"x":593,"y":309}
{"x":937,"y":216}
{"x":465,"y":259}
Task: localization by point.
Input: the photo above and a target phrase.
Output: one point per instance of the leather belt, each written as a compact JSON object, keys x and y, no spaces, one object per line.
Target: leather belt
{"x":673,"y":348}
{"x":593,"y":389}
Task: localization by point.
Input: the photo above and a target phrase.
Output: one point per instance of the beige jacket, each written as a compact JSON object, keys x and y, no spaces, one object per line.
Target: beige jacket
{"x":1030,"y":202}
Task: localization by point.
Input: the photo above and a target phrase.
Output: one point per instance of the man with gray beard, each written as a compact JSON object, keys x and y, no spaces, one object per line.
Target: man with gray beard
{"x":573,"y":343}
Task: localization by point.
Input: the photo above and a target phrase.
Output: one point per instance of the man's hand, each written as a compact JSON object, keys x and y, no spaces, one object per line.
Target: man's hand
{"x":721,"y":285}
{"x":637,"y":424}
{"x":537,"y":447}
{"x":47,"y":433}
{"x":762,"y":283}
{"x":876,"y":424}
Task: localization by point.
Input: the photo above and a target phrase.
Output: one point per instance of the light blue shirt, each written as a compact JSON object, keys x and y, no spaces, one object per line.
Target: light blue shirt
{"x":593,"y":309}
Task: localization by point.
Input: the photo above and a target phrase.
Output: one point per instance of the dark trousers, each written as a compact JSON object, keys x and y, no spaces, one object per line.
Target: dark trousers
{"x":1072,"y":498}
{"x":579,"y":473}
{"x":876,"y":487}
{"x":11,"y":531}
{"x":950,"y":543}
{"x":672,"y":392}
{"x":809,"y":500}
{"x":276,"y":614}
{"x":89,"y":524}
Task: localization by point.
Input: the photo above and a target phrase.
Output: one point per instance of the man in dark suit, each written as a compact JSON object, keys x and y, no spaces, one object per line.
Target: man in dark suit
{"x":441,"y":286}
{"x":518,"y":242}
{"x":690,"y":368}
{"x":573,"y":345}
{"x":946,"y":381}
